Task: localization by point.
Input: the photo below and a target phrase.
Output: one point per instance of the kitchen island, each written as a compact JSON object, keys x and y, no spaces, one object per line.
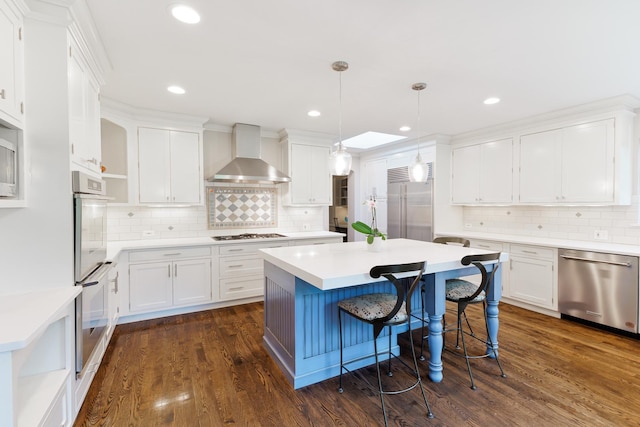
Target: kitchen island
{"x":303,"y":285}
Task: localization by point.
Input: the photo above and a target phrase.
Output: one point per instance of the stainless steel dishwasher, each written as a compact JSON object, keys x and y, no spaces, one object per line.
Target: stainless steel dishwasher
{"x":599,"y":287}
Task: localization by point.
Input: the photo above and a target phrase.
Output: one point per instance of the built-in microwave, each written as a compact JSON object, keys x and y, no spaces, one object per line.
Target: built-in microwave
{"x":8,"y":169}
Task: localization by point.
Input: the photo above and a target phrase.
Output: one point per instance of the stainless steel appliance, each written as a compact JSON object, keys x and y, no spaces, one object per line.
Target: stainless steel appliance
{"x":248,"y":236}
{"x":409,"y":205}
{"x":599,"y":287}
{"x":90,"y":267}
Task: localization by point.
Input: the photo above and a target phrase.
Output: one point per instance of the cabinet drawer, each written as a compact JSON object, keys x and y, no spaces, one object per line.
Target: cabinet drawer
{"x":236,"y":288}
{"x":532,"y":251}
{"x":241,"y":265}
{"x":166,"y":254}
{"x":487,"y":245}
{"x":249,"y":248}
{"x":319,"y":241}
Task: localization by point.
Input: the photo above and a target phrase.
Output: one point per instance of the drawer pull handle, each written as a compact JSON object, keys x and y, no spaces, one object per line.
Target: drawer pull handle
{"x":173,"y":254}
{"x":236,"y":250}
{"x":530,"y":252}
{"x":236,"y":265}
{"x":237,"y":288}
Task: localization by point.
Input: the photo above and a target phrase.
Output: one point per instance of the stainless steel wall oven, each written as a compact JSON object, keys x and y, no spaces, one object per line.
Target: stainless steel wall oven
{"x":91,"y":270}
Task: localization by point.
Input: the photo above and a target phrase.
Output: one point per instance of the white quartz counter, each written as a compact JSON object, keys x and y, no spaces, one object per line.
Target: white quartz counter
{"x":114,"y":247}
{"x":25,"y":316}
{"x":554,"y":243}
{"x":338,"y":265}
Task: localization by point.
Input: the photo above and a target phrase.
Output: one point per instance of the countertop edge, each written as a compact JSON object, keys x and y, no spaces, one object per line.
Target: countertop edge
{"x":43,"y":308}
{"x":617,"y":248}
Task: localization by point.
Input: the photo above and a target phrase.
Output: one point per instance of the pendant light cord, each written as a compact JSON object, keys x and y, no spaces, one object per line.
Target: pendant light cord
{"x":340,"y":110}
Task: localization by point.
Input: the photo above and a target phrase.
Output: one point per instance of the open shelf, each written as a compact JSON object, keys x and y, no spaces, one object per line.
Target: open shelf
{"x":37,"y":394}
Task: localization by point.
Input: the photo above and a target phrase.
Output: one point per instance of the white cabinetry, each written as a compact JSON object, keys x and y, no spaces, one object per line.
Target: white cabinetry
{"x":241,"y":269}
{"x":37,"y":357}
{"x":11,"y":65}
{"x":574,"y":164}
{"x":160,"y":279}
{"x":306,"y":161}
{"x":84,"y":112}
{"x":169,"y":166}
{"x":532,"y":275}
{"x":504,"y":267}
{"x":483,"y":173}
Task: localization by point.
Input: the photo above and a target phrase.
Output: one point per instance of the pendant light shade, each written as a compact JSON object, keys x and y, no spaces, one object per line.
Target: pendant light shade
{"x":340,"y":160}
{"x":418,"y":171}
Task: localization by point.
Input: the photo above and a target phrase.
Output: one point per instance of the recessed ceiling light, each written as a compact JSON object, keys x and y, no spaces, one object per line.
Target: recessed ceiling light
{"x":176,"y":89}
{"x":405,"y":129}
{"x":313,"y":113}
{"x":371,"y":139}
{"x":490,"y":101}
{"x":185,"y":14}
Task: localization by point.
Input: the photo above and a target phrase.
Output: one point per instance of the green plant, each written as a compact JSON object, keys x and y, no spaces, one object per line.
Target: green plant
{"x":370,"y":230}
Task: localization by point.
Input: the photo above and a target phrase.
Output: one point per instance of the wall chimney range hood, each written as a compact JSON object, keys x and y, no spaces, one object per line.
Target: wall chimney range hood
{"x":247,"y":167}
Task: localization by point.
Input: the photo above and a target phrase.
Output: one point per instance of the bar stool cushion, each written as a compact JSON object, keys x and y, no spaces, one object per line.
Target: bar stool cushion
{"x":373,"y":306}
{"x":458,"y":288}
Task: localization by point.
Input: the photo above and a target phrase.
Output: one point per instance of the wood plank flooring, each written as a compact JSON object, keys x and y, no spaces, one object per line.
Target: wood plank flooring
{"x":210,"y":369}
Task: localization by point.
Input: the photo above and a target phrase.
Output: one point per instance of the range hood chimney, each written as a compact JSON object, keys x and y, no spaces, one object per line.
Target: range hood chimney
{"x":247,"y":167}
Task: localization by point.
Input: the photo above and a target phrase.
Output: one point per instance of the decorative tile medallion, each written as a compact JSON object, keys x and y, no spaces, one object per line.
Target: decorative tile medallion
{"x":233,"y":207}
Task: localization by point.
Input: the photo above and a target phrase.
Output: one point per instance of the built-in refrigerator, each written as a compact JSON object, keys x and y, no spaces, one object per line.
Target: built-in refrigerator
{"x":409,"y":206}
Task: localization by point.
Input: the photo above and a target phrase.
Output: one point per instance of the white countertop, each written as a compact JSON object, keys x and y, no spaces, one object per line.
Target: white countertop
{"x":25,"y":316}
{"x":339,"y":265}
{"x":114,"y":247}
{"x":616,"y":248}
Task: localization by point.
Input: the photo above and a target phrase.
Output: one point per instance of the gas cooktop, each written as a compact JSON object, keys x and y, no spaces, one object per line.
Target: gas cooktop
{"x":247,"y":236}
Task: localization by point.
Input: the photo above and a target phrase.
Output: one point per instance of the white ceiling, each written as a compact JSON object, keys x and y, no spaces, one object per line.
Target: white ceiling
{"x":269,"y":62}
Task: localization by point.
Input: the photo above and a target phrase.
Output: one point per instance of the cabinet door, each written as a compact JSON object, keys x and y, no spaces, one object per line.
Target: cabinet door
{"x":540,"y":162}
{"x":11,"y":64}
{"x":185,"y":167}
{"x":588,"y":162}
{"x":496,"y":172}
{"x":310,"y":175}
{"x":154,"y":153}
{"x":150,"y":286}
{"x":321,"y":178}
{"x":531,"y":280}
{"x":300,"y":174}
{"x":191,"y":281}
{"x":465,"y":186}
{"x":77,"y":104}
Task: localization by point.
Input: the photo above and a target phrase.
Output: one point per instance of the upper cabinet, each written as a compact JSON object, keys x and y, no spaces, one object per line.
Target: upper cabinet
{"x":84,"y":112}
{"x":306,"y":161}
{"x":169,"y":166}
{"x":11,"y":65}
{"x":574,"y":164}
{"x":483,"y":173}
{"x":584,"y":156}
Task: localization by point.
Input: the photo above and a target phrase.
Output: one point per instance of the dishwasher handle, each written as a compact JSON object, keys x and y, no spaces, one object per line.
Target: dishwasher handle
{"x":575,"y":258}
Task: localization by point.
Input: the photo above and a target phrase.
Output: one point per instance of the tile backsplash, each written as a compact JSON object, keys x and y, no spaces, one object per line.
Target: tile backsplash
{"x":144,"y":222}
{"x":620,"y":223}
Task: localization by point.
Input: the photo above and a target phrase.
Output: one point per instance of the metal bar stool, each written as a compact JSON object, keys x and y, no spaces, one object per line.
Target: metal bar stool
{"x":465,"y":293}
{"x":385,"y":309}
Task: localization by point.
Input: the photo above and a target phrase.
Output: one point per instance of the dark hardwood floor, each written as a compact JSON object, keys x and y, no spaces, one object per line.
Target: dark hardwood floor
{"x":210,"y":369}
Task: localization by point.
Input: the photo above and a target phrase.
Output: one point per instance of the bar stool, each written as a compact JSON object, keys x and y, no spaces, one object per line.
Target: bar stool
{"x":380,"y":310}
{"x":465,"y":293}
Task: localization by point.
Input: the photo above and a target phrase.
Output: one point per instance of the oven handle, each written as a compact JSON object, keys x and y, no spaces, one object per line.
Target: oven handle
{"x":98,"y":275}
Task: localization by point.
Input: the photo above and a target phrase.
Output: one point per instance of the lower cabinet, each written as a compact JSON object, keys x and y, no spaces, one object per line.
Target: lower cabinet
{"x":241,"y":269}
{"x":160,"y":279}
{"x":532,"y":275}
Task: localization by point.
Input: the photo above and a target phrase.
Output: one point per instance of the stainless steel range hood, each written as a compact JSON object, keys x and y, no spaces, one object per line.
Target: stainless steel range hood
{"x":247,"y":166}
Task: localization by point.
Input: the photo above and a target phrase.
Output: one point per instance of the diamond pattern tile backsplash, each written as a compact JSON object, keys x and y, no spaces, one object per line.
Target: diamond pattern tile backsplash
{"x":234,"y":207}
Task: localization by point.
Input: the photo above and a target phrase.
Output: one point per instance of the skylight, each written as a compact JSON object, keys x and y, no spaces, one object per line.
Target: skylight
{"x":371,"y":140}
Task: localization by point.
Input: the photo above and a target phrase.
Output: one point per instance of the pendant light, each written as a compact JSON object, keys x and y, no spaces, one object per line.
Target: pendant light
{"x":418,"y":171}
{"x":340,"y":160}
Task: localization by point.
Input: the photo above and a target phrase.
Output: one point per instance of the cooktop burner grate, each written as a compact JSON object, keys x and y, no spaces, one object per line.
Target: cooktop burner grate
{"x":247,"y":236}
